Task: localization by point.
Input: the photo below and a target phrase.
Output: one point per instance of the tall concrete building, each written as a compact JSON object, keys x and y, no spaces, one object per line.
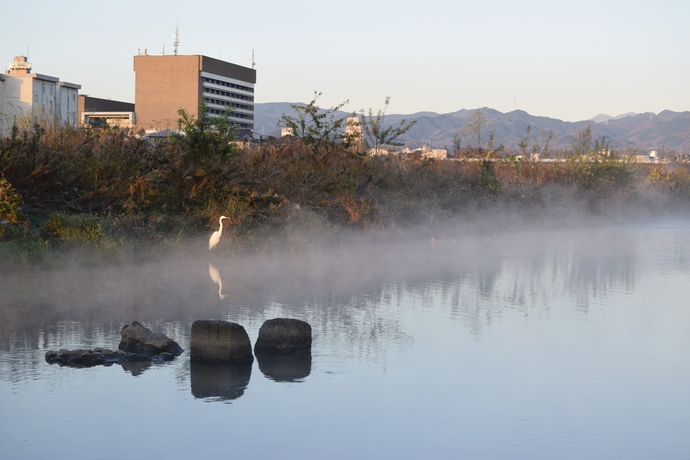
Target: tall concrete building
{"x":166,"y":84}
{"x":35,"y":97}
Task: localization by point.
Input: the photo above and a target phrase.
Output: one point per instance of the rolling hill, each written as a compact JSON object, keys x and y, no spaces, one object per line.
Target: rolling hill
{"x":667,"y":131}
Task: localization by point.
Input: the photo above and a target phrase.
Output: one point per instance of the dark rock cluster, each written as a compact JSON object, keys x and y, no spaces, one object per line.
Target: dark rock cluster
{"x":139,"y":339}
{"x":138,"y":345}
{"x":220,"y":353}
{"x":101,"y":356}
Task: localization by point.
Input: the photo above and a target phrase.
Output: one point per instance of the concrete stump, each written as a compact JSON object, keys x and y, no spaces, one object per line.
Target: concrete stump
{"x":283,"y":335}
{"x":220,"y":341}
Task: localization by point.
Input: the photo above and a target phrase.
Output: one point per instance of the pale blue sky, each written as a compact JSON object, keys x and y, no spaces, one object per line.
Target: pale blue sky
{"x":566,"y":60}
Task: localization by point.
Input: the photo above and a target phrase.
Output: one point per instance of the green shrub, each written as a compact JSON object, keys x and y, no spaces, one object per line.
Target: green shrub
{"x":23,"y":252}
{"x":601,"y":171}
{"x":675,"y":182}
{"x":487,"y":175}
{"x":66,"y":228}
{"x":75,"y":229}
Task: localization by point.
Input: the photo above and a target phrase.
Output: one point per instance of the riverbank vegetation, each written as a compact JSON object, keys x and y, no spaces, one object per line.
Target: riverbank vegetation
{"x":88,"y":195}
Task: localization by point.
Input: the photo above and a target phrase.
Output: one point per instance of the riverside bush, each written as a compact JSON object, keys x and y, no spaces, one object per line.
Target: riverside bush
{"x":599,"y":172}
{"x":100,"y":187}
{"x":10,"y":202}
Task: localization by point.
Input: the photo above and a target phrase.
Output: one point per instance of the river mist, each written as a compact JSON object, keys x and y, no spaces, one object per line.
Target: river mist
{"x":513,"y":343}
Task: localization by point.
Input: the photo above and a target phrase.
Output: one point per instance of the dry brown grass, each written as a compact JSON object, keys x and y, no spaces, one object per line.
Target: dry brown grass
{"x":290,"y":193}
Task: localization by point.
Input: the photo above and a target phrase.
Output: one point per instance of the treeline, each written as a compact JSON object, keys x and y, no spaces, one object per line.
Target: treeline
{"x":114,"y":192}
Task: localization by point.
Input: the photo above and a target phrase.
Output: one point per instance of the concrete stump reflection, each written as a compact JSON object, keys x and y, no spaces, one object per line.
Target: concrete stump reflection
{"x":285,"y":367}
{"x":219,"y":380}
{"x":220,"y":342}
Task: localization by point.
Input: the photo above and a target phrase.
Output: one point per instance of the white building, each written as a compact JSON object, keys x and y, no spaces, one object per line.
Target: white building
{"x":428,"y":153}
{"x":35,"y":98}
{"x":653,"y":157}
{"x":434,"y":154}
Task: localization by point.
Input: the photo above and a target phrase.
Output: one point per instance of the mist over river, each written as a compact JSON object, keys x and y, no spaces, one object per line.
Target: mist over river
{"x":568,"y":344}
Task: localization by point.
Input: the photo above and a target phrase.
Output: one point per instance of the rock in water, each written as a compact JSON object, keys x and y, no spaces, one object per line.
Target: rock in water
{"x":141,"y":340}
{"x":283,"y":335}
{"x":220,"y":341}
{"x":102,"y":356}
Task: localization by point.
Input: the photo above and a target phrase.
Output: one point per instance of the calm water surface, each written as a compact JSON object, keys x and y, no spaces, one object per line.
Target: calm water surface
{"x":565,"y":344}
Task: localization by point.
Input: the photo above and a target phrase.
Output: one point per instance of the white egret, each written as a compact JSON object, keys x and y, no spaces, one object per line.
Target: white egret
{"x":216,"y":235}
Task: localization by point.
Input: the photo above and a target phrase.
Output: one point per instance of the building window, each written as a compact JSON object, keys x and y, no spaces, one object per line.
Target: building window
{"x":227,"y":94}
{"x":36,"y":97}
{"x":230,"y":85}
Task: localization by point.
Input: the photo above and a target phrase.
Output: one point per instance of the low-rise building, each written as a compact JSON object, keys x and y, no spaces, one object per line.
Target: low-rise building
{"x":97,"y":111}
{"x":427,"y":152}
{"x":652,"y":157}
{"x":35,"y":98}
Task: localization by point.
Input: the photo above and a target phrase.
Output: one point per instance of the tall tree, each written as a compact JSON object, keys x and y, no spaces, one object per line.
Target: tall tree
{"x":473,"y":130}
{"x":476,"y":133}
{"x":377,"y":134}
{"x":206,"y":137}
{"x":322,"y":129}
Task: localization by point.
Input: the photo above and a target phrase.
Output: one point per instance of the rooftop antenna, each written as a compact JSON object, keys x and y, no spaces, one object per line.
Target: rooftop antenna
{"x":176,"y":39}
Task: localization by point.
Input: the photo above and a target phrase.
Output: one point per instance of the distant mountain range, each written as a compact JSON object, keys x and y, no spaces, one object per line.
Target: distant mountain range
{"x":665,"y":132}
{"x":603,"y":118}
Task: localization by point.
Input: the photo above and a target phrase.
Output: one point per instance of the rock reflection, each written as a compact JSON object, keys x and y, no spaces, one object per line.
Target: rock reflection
{"x":222,"y":381}
{"x":293,"y":367}
{"x":136,"y":368}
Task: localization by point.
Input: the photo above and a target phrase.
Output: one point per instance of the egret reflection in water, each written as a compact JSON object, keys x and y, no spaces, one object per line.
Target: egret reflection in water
{"x":215,"y":276}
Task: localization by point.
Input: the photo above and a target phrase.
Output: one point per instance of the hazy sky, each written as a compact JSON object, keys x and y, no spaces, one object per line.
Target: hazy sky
{"x":567,"y":60}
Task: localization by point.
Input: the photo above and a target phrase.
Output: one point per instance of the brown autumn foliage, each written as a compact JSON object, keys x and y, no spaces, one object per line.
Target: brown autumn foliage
{"x":139,"y":189}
